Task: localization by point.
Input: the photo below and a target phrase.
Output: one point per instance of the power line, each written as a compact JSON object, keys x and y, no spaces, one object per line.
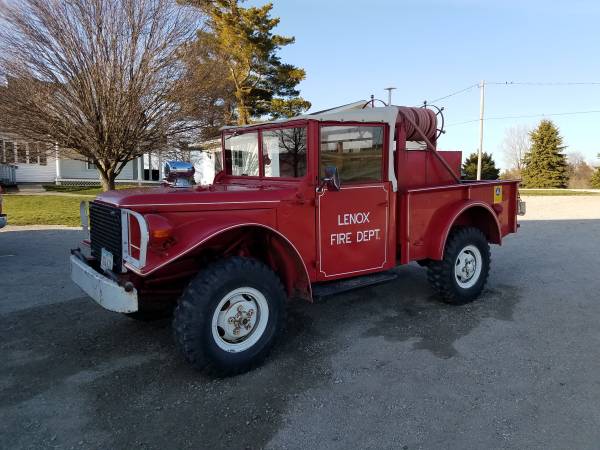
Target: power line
{"x":544,"y":83}
{"x":519,"y":83}
{"x":468,"y":88}
{"x":594,"y":111}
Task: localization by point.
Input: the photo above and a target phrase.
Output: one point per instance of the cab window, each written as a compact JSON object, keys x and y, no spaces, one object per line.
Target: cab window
{"x":356,"y":151}
{"x":241,"y":154}
{"x":284,"y":152}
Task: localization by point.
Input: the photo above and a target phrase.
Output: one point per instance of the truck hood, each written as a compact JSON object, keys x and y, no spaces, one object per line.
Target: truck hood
{"x":199,"y":198}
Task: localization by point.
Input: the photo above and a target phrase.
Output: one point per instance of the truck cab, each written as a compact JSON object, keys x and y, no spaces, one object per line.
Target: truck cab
{"x":301,"y":207}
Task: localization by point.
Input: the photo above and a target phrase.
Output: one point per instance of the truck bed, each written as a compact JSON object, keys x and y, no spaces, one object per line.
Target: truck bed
{"x":426,"y":211}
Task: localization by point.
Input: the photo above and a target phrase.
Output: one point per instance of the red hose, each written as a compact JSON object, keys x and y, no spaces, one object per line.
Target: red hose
{"x":423,"y":118}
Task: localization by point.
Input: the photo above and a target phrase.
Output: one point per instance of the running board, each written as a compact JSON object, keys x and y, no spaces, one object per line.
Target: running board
{"x":327,"y":289}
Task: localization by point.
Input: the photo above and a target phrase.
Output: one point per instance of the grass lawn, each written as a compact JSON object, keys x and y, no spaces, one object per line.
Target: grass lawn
{"x":42,"y":209}
{"x":548,"y":192}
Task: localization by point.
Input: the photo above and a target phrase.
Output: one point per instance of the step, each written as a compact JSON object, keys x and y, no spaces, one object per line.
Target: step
{"x":327,"y":289}
{"x":30,"y":188}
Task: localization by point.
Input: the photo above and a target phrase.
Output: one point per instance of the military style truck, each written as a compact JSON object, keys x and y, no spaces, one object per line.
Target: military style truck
{"x":301,"y":208}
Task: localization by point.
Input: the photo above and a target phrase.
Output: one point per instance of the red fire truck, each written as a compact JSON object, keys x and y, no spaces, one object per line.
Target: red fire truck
{"x":301,"y":209}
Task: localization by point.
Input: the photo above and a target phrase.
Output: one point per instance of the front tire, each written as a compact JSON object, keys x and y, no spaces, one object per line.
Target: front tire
{"x":460,"y":277}
{"x":230,"y":315}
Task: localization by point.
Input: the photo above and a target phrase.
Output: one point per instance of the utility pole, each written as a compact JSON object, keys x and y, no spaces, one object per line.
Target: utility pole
{"x":481,"y":108}
{"x":389,"y":89}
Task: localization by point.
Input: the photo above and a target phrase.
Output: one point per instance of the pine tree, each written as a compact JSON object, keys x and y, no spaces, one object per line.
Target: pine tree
{"x":595,"y":179}
{"x":488,"y":167}
{"x":240,"y":43}
{"x":545,"y":165}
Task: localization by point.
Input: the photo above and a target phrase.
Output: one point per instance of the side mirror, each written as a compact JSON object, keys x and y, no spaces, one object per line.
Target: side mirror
{"x":331,"y":179}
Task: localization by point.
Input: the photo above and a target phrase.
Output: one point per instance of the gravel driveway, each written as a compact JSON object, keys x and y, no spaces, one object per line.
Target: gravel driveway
{"x":382,"y":367}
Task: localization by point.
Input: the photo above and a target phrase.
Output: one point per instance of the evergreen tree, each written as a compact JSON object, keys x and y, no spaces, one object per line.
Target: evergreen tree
{"x":488,"y":167}
{"x":240,"y":43}
{"x":545,"y":165}
{"x":595,"y":179}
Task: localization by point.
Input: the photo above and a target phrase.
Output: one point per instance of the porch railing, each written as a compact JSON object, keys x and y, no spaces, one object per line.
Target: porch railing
{"x":8,"y":175}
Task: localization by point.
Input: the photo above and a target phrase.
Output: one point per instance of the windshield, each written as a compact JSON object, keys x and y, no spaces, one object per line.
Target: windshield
{"x":241,"y":154}
{"x":283,"y":150}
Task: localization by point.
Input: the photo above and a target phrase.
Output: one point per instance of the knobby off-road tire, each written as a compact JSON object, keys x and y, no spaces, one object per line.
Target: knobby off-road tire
{"x":230,"y":315}
{"x":460,"y":277}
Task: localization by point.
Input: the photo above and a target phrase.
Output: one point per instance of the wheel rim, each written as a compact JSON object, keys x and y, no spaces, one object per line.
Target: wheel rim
{"x":240,"y":319}
{"x":467,"y":267}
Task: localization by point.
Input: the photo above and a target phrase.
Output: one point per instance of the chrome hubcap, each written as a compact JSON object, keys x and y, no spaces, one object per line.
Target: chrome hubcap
{"x":237,"y":320}
{"x":240,"y":319}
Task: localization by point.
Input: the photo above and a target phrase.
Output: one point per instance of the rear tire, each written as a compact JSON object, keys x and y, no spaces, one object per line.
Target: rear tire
{"x":230,"y":315}
{"x":460,"y":277}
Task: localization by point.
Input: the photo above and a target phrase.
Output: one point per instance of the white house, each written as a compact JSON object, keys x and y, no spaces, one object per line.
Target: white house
{"x":43,"y":167}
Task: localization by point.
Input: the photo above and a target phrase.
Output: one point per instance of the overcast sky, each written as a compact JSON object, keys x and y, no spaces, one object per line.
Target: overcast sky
{"x":429,"y":49}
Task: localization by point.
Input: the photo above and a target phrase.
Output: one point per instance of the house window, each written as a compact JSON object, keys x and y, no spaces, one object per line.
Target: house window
{"x":42,"y":152}
{"x":9,"y":152}
{"x":21,"y":153}
{"x":89,"y":165}
{"x":238,"y":159}
{"x":34,"y":152}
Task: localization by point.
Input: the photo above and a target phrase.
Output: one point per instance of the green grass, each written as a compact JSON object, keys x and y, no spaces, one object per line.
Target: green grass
{"x":84,"y":190}
{"x":42,"y":210}
{"x":553,"y":192}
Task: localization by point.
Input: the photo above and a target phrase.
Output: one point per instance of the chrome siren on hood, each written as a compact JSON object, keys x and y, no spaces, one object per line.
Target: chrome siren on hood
{"x":179,"y":173}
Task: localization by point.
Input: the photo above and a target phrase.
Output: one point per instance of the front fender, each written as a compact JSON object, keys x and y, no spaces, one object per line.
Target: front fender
{"x":191,"y":234}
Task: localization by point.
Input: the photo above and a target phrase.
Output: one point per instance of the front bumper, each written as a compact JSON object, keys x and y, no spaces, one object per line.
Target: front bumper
{"x":103,"y":290}
{"x":3,"y":220}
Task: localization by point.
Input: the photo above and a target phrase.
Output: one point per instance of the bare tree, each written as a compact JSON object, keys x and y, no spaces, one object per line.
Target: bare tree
{"x":98,"y":78}
{"x":514,"y":146}
{"x":580,"y":172}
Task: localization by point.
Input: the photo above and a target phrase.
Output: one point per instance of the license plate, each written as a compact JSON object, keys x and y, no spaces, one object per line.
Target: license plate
{"x":106,"y":260}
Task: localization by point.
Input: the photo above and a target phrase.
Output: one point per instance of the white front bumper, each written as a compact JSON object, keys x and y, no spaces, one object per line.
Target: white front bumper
{"x":103,"y":290}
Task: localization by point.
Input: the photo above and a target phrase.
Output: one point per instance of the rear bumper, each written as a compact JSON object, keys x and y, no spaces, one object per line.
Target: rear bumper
{"x":3,"y":220}
{"x":103,"y":290}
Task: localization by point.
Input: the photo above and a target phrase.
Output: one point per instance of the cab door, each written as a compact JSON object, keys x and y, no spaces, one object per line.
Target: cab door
{"x":353,"y":222}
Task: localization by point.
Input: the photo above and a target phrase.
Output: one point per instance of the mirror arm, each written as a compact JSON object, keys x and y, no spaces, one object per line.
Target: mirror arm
{"x":323,"y":183}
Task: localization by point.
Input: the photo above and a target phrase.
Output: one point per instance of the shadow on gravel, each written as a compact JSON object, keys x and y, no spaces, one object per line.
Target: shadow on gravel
{"x":436,"y":326}
{"x":123,"y":385}
{"x":407,"y":309}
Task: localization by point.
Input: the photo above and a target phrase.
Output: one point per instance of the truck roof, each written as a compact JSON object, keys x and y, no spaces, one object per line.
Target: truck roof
{"x":352,"y":112}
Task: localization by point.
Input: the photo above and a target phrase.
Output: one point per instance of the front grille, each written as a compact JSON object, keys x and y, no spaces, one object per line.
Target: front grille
{"x":105,"y":232}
